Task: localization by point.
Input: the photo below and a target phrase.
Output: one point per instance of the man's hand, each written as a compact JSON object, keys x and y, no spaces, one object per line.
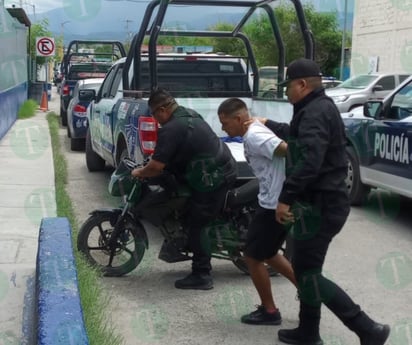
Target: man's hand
{"x":137,"y":172}
{"x":283,"y":215}
{"x":247,"y":123}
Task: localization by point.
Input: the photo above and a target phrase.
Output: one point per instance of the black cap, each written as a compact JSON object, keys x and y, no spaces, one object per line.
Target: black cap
{"x":301,"y":68}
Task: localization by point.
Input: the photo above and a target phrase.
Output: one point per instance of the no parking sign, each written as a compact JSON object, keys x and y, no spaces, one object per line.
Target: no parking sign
{"x":45,"y":46}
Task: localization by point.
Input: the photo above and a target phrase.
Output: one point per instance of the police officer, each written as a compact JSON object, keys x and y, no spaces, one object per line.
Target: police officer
{"x":188,"y":148}
{"x":314,"y":197}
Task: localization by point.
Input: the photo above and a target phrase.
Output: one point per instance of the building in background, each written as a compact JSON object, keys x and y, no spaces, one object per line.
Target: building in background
{"x":382,"y":37}
{"x":14,"y":26}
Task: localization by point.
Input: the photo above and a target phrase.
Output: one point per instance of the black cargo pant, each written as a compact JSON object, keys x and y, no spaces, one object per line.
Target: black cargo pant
{"x":311,"y":236}
{"x":203,"y":207}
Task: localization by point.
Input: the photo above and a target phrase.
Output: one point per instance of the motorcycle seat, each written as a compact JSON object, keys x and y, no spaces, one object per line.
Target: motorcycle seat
{"x":242,"y":195}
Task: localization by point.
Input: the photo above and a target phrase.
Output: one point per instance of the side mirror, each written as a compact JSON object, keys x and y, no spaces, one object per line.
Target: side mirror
{"x":377,"y":87}
{"x":87,"y":95}
{"x":373,"y":109}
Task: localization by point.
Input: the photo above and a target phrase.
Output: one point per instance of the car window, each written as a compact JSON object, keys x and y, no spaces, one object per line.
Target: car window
{"x":92,"y":70}
{"x":94,"y":87}
{"x":403,"y":77}
{"x":107,"y":83}
{"x":388,"y":82}
{"x":358,"y":82}
{"x":402,"y":103}
{"x":116,"y":81}
{"x":197,"y":76}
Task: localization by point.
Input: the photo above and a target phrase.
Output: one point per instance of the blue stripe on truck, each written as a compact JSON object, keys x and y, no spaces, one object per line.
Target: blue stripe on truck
{"x":59,"y":312}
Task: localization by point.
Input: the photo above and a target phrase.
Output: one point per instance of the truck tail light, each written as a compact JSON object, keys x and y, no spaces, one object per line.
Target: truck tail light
{"x":80,"y":110}
{"x":147,"y":134}
{"x":66,"y":90}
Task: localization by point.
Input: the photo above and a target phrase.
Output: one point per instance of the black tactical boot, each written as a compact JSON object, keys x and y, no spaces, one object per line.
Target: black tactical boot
{"x":195,"y":281}
{"x":169,"y":253}
{"x":377,"y":335}
{"x":296,"y":337}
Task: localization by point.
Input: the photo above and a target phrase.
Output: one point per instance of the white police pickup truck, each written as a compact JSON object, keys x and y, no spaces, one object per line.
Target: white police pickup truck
{"x":380,"y":145}
{"x":120,"y":123}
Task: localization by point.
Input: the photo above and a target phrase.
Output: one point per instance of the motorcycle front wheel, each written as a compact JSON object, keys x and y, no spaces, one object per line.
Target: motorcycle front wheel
{"x":93,"y":242}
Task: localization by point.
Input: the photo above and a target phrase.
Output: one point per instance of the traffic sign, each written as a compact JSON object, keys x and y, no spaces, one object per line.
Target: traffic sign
{"x":45,"y":46}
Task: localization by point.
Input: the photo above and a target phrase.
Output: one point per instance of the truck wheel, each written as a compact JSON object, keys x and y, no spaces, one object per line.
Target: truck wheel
{"x":93,"y":161}
{"x":123,"y":153}
{"x":63,"y":116}
{"x":357,"y":190}
{"x":77,"y":144}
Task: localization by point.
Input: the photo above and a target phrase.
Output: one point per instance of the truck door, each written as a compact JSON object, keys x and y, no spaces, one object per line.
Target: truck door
{"x":102,"y":123}
{"x":391,"y":140}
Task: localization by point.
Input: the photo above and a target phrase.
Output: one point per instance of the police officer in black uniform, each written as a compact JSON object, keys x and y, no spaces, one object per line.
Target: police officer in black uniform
{"x":188,"y":148}
{"x":314,"y":197}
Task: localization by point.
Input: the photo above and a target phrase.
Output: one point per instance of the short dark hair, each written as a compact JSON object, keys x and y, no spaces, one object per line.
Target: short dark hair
{"x":230,"y":106}
{"x":160,"y":96}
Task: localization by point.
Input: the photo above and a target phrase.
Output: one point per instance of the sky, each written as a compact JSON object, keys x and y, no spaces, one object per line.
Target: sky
{"x":39,"y":6}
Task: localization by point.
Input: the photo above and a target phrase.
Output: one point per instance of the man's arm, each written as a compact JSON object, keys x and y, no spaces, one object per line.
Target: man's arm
{"x":151,"y":169}
{"x":281,"y":149}
{"x":310,"y":148}
{"x":281,"y":129}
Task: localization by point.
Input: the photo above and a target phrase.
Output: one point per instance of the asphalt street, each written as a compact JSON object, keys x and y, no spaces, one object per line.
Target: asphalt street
{"x":371,"y":259}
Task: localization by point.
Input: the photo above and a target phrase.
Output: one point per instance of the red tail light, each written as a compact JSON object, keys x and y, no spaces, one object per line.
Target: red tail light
{"x":147,"y":134}
{"x":66,"y":90}
{"x":80,"y":110}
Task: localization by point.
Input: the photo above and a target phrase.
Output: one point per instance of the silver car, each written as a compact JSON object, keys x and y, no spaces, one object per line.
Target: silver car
{"x":355,"y":91}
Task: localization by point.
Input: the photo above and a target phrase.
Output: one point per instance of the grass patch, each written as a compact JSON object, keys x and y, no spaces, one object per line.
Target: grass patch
{"x":27,"y":109}
{"x":93,"y":298}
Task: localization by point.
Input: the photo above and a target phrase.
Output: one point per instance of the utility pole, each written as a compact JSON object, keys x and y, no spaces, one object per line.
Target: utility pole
{"x":342,"y":56}
{"x":128,"y":33}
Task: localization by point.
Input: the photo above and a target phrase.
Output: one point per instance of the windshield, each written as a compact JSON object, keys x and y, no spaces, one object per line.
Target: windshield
{"x":268,"y":73}
{"x":358,"y":82}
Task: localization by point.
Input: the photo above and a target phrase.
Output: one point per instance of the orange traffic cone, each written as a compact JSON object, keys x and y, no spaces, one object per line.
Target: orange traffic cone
{"x":44,"y":105}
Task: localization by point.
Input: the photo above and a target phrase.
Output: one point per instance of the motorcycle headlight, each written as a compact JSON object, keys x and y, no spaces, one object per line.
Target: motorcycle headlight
{"x":339,"y":99}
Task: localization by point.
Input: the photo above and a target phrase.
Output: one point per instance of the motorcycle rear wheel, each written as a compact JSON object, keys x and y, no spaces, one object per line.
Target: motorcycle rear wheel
{"x":93,"y":240}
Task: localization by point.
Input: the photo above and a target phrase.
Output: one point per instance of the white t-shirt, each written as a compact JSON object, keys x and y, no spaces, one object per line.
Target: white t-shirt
{"x":260,"y":144}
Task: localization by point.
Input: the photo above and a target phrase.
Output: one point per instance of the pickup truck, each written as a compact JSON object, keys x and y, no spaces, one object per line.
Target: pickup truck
{"x":380,"y":145}
{"x":80,"y":62}
{"x":119,"y":119}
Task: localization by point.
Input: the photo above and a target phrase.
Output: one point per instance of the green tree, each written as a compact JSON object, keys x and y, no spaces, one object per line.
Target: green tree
{"x":232,"y":46}
{"x":324,"y":26}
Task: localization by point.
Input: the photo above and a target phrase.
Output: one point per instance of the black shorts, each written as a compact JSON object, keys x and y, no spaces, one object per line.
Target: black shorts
{"x":265,"y":235}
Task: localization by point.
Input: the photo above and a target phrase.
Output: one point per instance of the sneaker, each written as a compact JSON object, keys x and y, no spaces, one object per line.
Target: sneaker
{"x":262,"y":317}
{"x":378,"y":335}
{"x":195,"y":281}
{"x":294,"y":336}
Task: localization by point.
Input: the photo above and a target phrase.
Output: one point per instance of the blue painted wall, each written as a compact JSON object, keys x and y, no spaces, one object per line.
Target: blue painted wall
{"x":10,"y":102}
{"x":13,"y":68}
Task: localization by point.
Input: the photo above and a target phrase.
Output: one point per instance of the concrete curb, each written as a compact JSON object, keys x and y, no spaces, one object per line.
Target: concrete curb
{"x":60,"y":317}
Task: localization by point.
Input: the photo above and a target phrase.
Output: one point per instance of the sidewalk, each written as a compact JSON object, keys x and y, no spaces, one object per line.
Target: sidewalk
{"x":27,"y":195}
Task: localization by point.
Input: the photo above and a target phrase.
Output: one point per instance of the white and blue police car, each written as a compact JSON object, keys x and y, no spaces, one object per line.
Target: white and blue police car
{"x":380,"y":145}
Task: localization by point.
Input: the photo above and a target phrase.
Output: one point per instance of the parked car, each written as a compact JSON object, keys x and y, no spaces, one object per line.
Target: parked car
{"x":77,"y":72}
{"x":355,"y":91}
{"x":329,"y":82}
{"x":77,"y":122}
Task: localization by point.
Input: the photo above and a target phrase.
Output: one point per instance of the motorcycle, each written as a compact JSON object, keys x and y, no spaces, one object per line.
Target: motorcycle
{"x":115,"y":240}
